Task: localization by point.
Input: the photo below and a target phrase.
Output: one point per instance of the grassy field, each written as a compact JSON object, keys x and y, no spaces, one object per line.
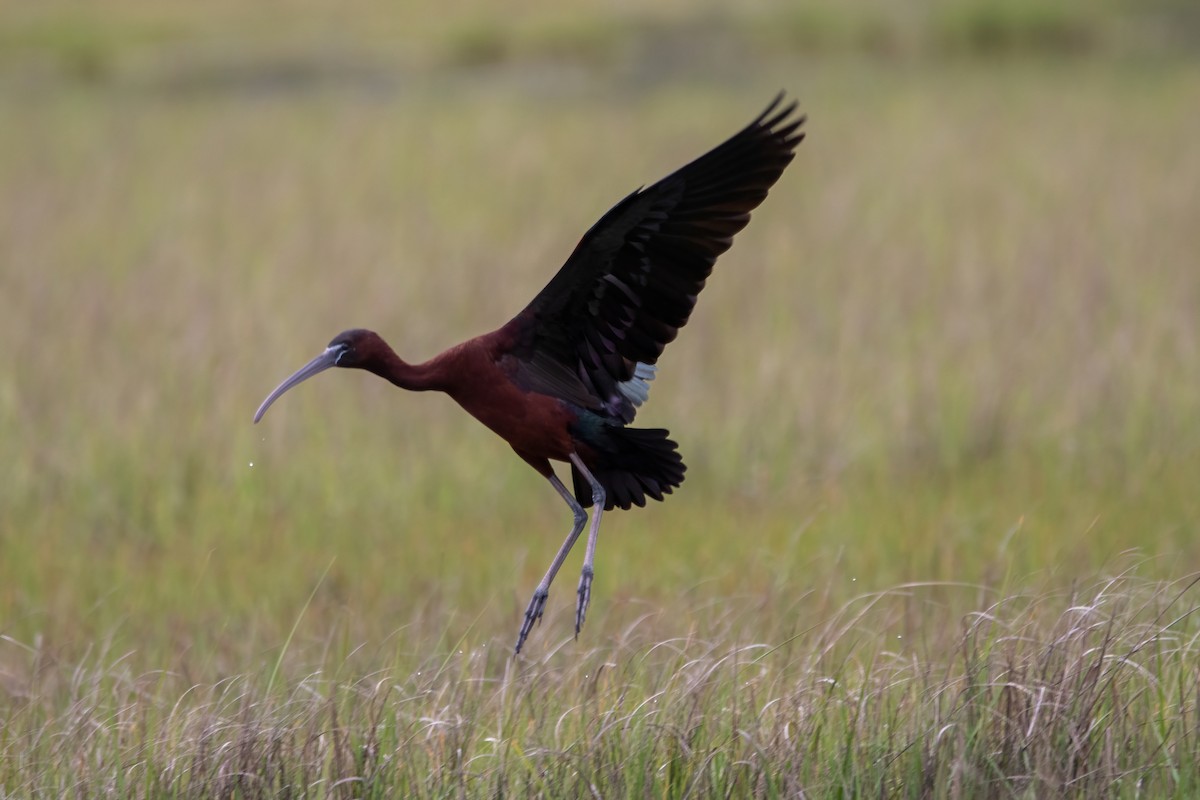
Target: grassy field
{"x":939,"y":534}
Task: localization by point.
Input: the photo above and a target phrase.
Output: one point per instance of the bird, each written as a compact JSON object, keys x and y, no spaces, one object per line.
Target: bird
{"x":564,"y":378}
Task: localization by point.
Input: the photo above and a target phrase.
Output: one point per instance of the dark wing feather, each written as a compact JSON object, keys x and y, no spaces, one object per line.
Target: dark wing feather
{"x":632,"y":281}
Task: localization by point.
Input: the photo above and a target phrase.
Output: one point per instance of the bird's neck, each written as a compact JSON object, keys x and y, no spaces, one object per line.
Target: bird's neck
{"x":414,"y":377}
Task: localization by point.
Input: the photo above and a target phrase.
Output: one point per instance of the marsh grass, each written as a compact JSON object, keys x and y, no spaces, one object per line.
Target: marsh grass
{"x":938,"y":404}
{"x":1083,"y":694}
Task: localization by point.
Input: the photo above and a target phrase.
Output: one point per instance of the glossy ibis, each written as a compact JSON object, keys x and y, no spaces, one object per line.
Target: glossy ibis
{"x":563,"y":379}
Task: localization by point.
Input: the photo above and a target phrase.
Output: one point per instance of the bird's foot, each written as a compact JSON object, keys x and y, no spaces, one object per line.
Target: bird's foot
{"x":533,"y":614}
{"x":585,"y":597}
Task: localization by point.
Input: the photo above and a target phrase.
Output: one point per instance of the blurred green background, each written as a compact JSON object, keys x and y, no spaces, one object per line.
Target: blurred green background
{"x":959,"y":342}
{"x":965,"y":322}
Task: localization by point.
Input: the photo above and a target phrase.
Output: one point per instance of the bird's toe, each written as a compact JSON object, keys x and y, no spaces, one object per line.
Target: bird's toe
{"x":533,"y":615}
{"x":585,"y":597}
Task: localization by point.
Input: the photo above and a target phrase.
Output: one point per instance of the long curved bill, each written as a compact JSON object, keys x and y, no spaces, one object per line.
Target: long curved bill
{"x":317,"y":365}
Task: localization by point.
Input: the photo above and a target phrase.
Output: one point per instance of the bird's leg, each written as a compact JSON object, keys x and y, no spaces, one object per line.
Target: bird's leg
{"x":589,"y":555}
{"x":538,"y":604}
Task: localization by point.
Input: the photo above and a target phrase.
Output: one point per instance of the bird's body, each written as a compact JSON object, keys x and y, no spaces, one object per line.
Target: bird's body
{"x":478,"y":376}
{"x":563,"y":379}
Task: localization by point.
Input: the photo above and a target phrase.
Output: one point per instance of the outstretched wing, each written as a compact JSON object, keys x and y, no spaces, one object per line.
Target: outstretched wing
{"x":632,"y":281}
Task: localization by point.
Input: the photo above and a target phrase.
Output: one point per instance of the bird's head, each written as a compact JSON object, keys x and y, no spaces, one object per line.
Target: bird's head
{"x":352,"y":349}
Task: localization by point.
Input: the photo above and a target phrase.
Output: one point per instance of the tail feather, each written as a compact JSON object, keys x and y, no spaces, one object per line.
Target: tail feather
{"x":641,"y":462}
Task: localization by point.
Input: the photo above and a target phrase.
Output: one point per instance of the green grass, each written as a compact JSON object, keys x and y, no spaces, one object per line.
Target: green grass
{"x":939,"y":531}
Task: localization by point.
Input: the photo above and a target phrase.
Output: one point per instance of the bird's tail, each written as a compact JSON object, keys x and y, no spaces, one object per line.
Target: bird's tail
{"x":638,"y":462}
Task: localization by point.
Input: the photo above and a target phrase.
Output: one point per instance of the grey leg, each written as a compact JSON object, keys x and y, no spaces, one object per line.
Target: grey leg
{"x":589,"y":555}
{"x":538,"y":604}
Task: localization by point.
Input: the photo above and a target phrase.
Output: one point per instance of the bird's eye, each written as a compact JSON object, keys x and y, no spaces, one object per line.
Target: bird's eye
{"x":339,"y":351}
